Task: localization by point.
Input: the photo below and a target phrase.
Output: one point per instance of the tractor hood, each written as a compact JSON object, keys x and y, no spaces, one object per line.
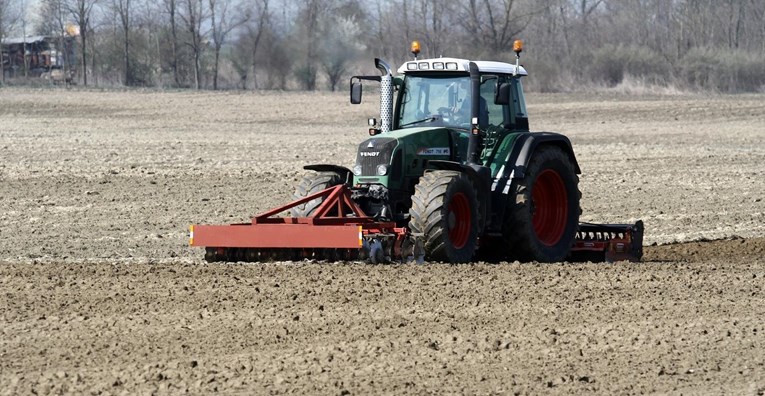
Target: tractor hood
{"x":406,"y":152}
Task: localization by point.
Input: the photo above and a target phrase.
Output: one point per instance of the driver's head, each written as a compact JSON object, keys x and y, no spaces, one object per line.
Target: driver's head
{"x":465,"y":84}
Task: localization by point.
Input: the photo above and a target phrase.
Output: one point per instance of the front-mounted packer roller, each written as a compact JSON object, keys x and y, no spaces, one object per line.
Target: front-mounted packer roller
{"x":451,"y":173}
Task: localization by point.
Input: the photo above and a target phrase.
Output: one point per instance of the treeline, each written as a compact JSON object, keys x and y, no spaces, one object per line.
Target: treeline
{"x":716,"y":45}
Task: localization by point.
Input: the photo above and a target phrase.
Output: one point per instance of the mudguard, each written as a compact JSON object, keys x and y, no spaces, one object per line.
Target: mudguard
{"x":515,"y":168}
{"x":344,"y":172}
{"x":520,"y":155}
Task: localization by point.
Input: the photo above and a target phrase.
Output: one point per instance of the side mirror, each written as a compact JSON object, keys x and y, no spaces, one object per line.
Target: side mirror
{"x":502,"y":93}
{"x":356,"y":92}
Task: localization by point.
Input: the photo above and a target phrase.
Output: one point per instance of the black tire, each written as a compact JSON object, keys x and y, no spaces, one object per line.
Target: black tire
{"x":313,"y":183}
{"x":543,"y":215}
{"x":211,"y":255}
{"x":445,"y":211}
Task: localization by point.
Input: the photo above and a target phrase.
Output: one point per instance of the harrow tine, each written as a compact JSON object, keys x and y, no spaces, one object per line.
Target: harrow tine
{"x":608,"y":242}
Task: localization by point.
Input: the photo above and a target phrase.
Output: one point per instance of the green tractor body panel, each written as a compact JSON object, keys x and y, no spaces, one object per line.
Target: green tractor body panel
{"x":415,"y":147}
{"x":497,"y":150}
{"x":405,"y":154}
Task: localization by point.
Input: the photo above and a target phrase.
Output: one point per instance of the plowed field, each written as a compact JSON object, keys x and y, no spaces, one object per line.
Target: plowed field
{"x":99,"y":292}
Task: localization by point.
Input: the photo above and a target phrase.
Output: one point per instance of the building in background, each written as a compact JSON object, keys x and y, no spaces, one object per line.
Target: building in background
{"x":41,"y":56}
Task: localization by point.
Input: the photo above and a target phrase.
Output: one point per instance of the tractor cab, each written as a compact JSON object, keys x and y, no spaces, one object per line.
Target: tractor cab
{"x":438,"y":92}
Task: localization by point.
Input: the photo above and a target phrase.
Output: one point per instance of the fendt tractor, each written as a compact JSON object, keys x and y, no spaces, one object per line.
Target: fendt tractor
{"x":450,"y":173}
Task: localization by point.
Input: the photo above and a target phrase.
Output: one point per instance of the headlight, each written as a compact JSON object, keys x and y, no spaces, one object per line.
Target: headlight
{"x":357,"y":170}
{"x":382,"y":170}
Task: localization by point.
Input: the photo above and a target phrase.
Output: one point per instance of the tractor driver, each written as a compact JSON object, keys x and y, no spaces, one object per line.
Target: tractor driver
{"x":463,"y":108}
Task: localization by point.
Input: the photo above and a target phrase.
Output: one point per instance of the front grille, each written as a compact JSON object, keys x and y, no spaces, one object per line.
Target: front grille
{"x":380,"y":153}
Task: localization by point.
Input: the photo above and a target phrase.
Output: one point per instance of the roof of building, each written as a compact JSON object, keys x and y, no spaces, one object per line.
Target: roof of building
{"x":22,"y":40}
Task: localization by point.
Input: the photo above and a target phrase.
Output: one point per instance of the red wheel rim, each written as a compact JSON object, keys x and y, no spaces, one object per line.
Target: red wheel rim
{"x":550,"y":207}
{"x":459,"y":220}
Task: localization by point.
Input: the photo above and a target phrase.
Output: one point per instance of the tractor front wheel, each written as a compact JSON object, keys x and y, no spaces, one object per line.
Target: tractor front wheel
{"x":445,"y":212}
{"x":313,"y":183}
{"x":542,"y":219}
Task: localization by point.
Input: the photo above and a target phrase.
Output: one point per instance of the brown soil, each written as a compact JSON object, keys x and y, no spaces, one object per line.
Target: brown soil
{"x":701,"y":251}
{"x":100,"y":293}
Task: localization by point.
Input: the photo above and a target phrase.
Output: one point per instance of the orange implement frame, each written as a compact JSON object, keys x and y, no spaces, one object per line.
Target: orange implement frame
{"x":337,"y":223}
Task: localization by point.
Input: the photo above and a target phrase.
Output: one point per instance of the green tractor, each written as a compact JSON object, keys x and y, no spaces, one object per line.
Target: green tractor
{"x":450,"y":173}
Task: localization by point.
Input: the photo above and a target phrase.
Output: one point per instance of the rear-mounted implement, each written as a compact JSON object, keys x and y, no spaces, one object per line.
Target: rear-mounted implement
{"x":337,"y":230}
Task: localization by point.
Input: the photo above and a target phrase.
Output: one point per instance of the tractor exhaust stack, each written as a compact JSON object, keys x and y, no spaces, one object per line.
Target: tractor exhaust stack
{"x":386,"y":95}
{"x":474,"y":142}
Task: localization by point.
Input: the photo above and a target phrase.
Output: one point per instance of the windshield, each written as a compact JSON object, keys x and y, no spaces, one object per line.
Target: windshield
{"x":435,"y":101}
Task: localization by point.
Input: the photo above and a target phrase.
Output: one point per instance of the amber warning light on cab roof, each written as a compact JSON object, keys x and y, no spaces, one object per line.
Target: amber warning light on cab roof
{"x":518,"y":46}
{"x":415,"y":48}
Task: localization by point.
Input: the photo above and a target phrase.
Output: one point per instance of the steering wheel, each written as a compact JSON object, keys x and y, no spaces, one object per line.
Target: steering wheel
{"x":446,"y":113}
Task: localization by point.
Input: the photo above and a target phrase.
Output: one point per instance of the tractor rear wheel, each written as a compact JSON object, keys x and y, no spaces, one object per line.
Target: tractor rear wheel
{"x":445,"y":211}
{"x":542,"y":220}
{"x":313,"y":183}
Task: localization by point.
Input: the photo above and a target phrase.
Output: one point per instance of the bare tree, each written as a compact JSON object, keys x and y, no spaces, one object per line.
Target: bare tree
{"x":494,"y":24}
{"x":171,"y":7}
{"x":81,"y":11}
{"x":586,"y":8}
{"x":319,"y":40}
{"x":307,"y":36}
{"x":341,"y":39}
{"x":275,"y":59}
{"x":734,"y":21}
{"x":263,"y":21}
{"x":241,"y":57}
{"x":8,"y":19}
{"x":247,"y":45}
{"x":224,"y":18}
{"x":54,"y":23}
{"x":434,"y":25}
{"x":3,"y":8}
{"x":194,"y":14}
{"x":339,"y":47}
{"x":382,"y":29}
{"x":122,"y":8}
{"x":150,"y":23}
{"x":23,"y":19}
{"x":575,"y":16}
{"x":757,"y":15}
